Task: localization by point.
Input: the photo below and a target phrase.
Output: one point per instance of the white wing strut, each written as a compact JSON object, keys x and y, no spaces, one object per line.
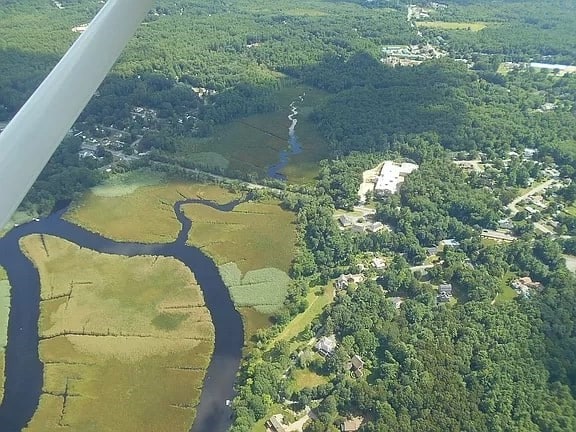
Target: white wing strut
{"x":32,"y":136}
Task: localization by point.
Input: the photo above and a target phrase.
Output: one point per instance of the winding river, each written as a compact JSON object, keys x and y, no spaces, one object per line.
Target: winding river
{"x":294,"y":146}
{"x":24,"y":370}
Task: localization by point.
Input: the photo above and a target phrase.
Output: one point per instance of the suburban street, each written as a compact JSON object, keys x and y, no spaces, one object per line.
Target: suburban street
{"x":533,"y":191}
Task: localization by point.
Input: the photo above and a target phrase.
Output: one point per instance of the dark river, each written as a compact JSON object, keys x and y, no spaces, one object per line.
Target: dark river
{"x":24,"y":370}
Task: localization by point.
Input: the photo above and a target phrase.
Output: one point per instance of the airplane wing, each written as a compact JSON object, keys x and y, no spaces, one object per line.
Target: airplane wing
{"x":32,"y":136}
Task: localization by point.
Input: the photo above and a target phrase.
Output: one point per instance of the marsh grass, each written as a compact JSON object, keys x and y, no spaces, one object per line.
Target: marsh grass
{"x":146,"y":215}
{"x":254,"y":235}
{"x":4,"y":313}
{"x":264,"y":290}
{"x":127,"y":340}
{"x":253,"y":143}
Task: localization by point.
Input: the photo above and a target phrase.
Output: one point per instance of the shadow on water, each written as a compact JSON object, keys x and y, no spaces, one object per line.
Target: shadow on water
{"x":24,"y":370}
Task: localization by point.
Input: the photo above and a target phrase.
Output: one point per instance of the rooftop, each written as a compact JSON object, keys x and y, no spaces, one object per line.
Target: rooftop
{"x":392,"y":175}
{"x":352,"y":425}
{"x":326,"y":344}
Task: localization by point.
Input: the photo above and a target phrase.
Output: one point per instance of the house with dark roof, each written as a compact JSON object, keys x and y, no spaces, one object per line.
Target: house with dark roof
{"x":356,"y":365}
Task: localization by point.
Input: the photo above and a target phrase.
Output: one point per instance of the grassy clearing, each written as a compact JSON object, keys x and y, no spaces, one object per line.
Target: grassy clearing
{"x":4,"y":312}
{"x":264,"y":289}
{"x":253,"y":143}
{"x":305,"y":378}
{"x":127,"y":183}
{"x":127,"y":339}
{"x":254,"y":235}
{"x":146,"y":215}
{"x":470,"y":26}
{"x":317,"y":301}
{"x":571,"y":209}
{"x":506,"y":293}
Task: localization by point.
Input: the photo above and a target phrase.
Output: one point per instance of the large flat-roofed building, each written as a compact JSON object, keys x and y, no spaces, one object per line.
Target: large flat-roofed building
{"x":392,"y":175}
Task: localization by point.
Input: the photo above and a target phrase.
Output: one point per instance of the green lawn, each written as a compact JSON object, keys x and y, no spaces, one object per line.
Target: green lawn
{"x":571,"y":210}
{"x":317,"y":301}
{"x":506,"y":293}
{"x":306,"y":378}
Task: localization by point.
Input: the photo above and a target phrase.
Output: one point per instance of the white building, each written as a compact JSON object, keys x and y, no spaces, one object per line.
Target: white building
{"x":344,"y":280}
{"x":392,"y":175}
{"x":326,"y":345}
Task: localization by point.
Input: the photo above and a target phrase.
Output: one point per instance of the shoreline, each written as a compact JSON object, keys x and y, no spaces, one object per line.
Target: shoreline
{"x":24,"y":379}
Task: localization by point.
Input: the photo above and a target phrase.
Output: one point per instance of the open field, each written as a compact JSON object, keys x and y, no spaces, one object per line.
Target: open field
{"x":471,"y":26}
{"x":4,"y":312}
{"x":126,"y":183}
{"x":318,"y":299}
{"x":253,"y":143}
{"x":146,"y":215}
{"x":254,"y":236}
{"x":305,"y":378}
{"x":125,"y":341}
{"x":506,"y":293}
{"x":264,"y":289}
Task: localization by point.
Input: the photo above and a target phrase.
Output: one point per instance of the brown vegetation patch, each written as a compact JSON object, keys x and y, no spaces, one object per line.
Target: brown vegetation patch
{"x":125,"y":342}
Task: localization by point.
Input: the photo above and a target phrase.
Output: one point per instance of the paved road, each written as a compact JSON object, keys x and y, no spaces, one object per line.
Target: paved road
{"x":533,"y":191}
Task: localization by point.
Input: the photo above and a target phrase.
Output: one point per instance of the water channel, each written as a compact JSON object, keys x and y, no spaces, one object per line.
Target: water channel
{"x":294,"y":147}
{"x":24,"y":370}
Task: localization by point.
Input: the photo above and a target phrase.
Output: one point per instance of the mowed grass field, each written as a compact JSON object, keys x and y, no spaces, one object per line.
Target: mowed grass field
{"x":253,"y":143}
{"x":444,"y":25}
{"x":4,"y":313}
{"x":255,"y":235}
{"x":125,"y":342}
{"x":305,"y":378}
{"x":146,"y":215}
{"x":318,"y":299}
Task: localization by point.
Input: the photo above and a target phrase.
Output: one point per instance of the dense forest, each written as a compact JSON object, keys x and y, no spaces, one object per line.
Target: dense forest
{"x":476,"y":364}
{"x":242,"y":49}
